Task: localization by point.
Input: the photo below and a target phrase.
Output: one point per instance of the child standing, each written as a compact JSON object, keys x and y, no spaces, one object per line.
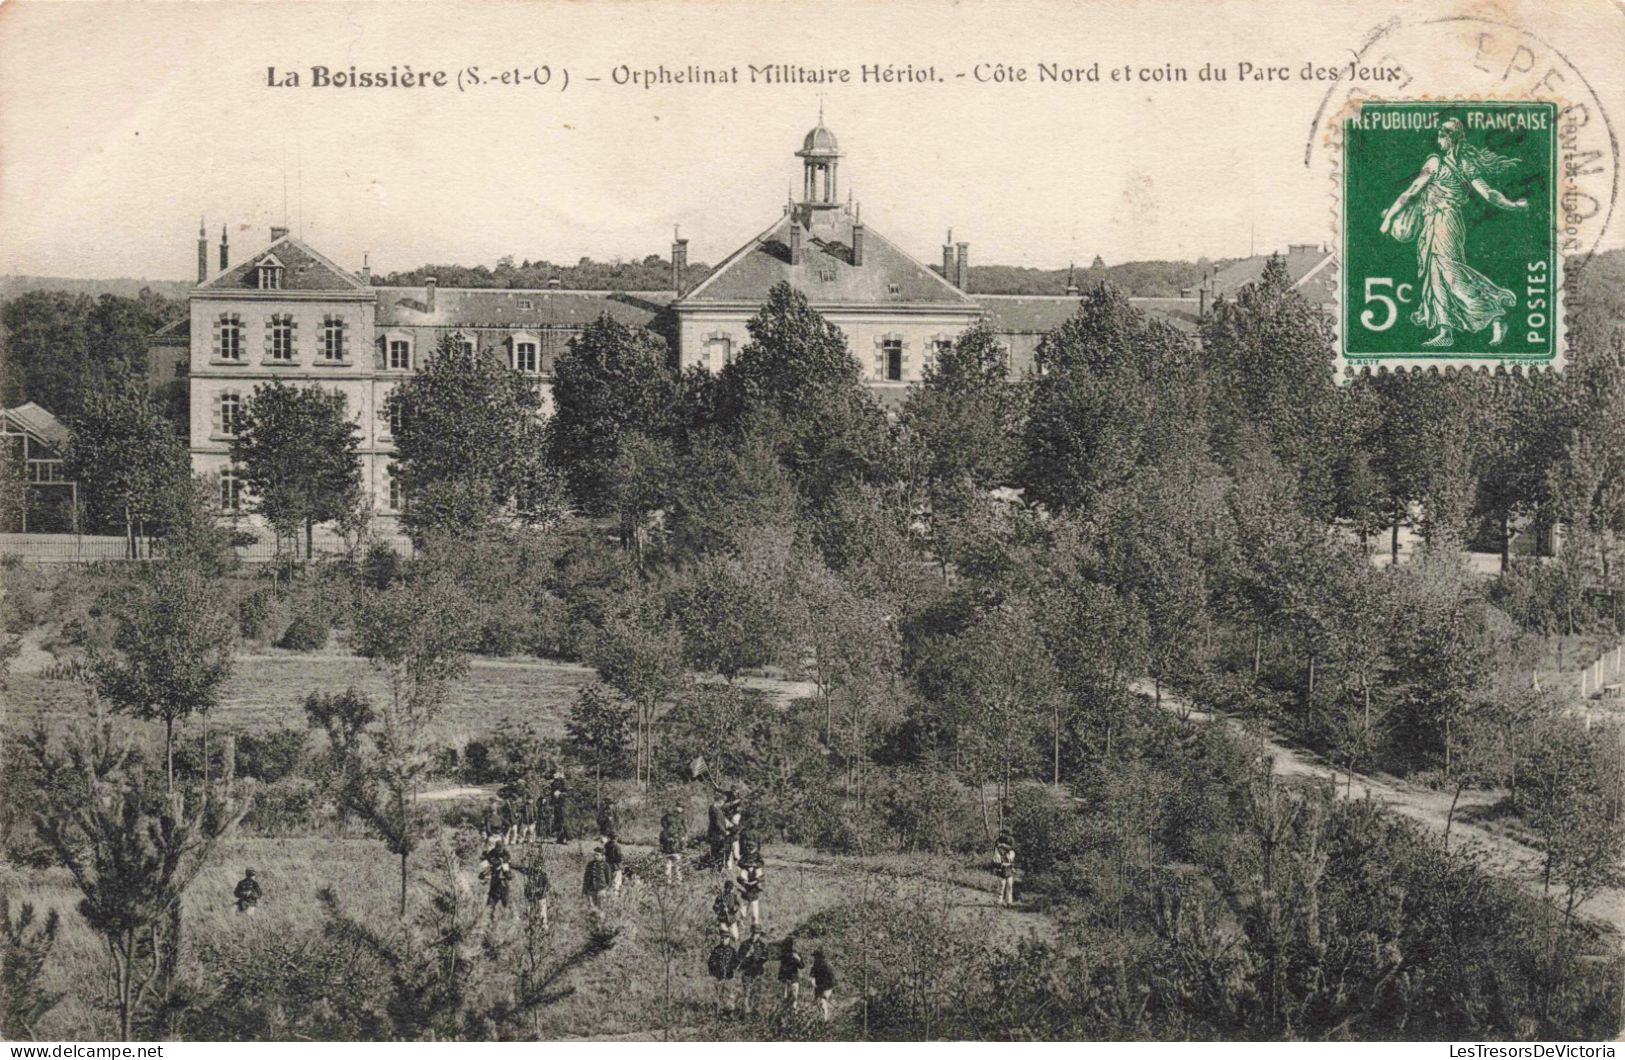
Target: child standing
{"x":790,"y":965}
{"x":823,"y":977}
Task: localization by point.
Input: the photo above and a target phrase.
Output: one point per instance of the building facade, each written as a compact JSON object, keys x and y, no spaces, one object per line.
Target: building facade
{"x":287,"y":312}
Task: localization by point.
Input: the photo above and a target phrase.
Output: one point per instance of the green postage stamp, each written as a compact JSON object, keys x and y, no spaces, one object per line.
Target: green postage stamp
{"x":1449,"y":236}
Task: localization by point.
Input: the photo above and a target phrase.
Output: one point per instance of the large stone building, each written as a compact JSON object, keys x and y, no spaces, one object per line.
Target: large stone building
{"x":287,"y":312}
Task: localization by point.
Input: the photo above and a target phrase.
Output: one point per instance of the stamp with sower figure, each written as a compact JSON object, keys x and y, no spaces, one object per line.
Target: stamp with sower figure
{"x":1450,"y":253}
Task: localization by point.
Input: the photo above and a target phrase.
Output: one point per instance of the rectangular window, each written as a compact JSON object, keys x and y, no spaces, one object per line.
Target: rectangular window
{"x":231,"y":338}
{"x":464,"y":346}
{"x":395,"y":415}
{"x":892,"y":349}
{"x":282,"y":339}
{"x":332,"y":339}
{"x":526,"y":303}
{"x":397,"y":495}
{"x":270,"y":278}
{"x":400,"y":355}
{"x":526,"y":357}
{"x":231,"y":491}
{"x":231,"y":414}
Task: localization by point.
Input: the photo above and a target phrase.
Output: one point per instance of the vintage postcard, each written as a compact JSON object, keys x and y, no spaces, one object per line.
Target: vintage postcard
{"x":721,"y":521}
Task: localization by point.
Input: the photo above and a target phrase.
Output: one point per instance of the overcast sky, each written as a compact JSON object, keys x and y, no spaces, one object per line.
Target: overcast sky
{"x":122,"y":124}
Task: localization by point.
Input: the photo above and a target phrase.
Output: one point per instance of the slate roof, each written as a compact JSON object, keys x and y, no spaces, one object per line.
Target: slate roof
{"x":826,"y":274}
{"x":1308,"y":264}
{"x":1020,"y":314}
{"x":501,"y":307}
{"x":34,"y":420}
{"x":303,"y":269}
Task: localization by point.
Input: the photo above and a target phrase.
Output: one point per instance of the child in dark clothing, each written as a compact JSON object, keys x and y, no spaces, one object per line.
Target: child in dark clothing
{"x":823,"y":977}
{"x":790,"y":965}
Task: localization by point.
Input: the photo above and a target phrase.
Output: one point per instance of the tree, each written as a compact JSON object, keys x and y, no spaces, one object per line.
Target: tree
{"x":131,"y":854}
{"x":418,"y":632}
{"x":963,"y":422}
{"x":1001,"y":688}
{"x":1269,"y":353}
{"x":797,"y":380}
{"x":173,"y":643}
{"x":126,"y":458}
{"x":470,"y":444}
{"x":24,"y":949}
{"x":640,"y":655}
{"x":300,"y":456}
{"x":48,"y":350}
{"x":596,"y":733}
{"x":1117,"y":395}
{"x":736,"y":610}
{"x":613,"y":385}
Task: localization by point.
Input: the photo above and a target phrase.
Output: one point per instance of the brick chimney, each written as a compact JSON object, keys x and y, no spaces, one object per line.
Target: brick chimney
{"x":225,"y":253}
{"x":795,"y":242}
{"x":278,"y":232}
{"x":202,"y":252}
{"x":429,"y":286}
{"x":948,"y":258}
{"x":1071,"y":282}
{"x":679,"y":261}
{"x":366,"y":269}
{"x":857,"y":239}
{"x":962,"y":267}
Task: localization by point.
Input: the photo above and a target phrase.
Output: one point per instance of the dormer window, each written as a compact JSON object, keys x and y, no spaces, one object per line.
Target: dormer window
{"x":527,"y":356}
{"x":269,"y":273}
{"x":526,"y":303}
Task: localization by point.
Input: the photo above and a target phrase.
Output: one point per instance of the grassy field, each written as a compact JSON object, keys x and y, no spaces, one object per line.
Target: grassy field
{"x":267,"y":691}
{"x":621,"y":994}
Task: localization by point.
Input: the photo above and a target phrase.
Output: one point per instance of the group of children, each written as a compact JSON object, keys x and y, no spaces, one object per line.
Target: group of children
{"x":519,"y":815}
{"x":748,"y":962}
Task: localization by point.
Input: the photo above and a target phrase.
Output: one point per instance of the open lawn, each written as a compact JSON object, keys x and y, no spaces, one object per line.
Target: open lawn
{"x":620,"y":994}
{"x":267,"y":691}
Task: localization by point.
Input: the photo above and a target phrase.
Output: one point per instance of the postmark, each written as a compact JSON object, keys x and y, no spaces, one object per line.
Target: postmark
{"x":1450,"y":234}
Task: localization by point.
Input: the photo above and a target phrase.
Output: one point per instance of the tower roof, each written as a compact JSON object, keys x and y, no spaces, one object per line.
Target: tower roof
{"x":819,"y":143}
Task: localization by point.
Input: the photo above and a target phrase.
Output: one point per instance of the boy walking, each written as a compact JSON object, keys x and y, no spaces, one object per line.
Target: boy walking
{"x":753,"y":957}
{"x":721,"y":963}
{"x":595,"y":882}
{"x":751,"y":874}
{"x":823,"y":977}
{"x":671,"y":847}
{"x":726,"y":909}
{"x":790,"y":965}
{"x":613,"y":859}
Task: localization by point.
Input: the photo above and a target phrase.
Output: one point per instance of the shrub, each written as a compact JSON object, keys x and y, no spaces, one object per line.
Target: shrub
{"x":270,"y":757}
{"x":380,"y":567}
{"x":927,"y":809}
{"x":307,"y":632}
{"x":254,"y":614}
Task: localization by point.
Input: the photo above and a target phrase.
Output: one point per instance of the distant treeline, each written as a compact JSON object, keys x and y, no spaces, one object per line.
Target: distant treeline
{"x":1147,"y":279}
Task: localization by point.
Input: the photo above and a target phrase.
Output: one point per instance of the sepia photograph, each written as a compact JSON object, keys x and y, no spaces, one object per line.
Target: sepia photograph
{"x":647,"y":521}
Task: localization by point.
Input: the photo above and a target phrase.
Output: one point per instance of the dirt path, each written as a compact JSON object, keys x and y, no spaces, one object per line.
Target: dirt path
{"x":1503,"y":854}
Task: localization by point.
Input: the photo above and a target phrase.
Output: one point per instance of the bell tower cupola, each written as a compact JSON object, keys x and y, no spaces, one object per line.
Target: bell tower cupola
{"x":820,"y":161}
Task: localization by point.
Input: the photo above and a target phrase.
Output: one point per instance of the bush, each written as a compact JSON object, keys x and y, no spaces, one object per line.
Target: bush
{"x":380,"y":567}
{"x":291,"y":806}
{"x":254,"y":614}
{"x":270,"y":757}
{"x":928,"y":809}
{"x":307,"y":632}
